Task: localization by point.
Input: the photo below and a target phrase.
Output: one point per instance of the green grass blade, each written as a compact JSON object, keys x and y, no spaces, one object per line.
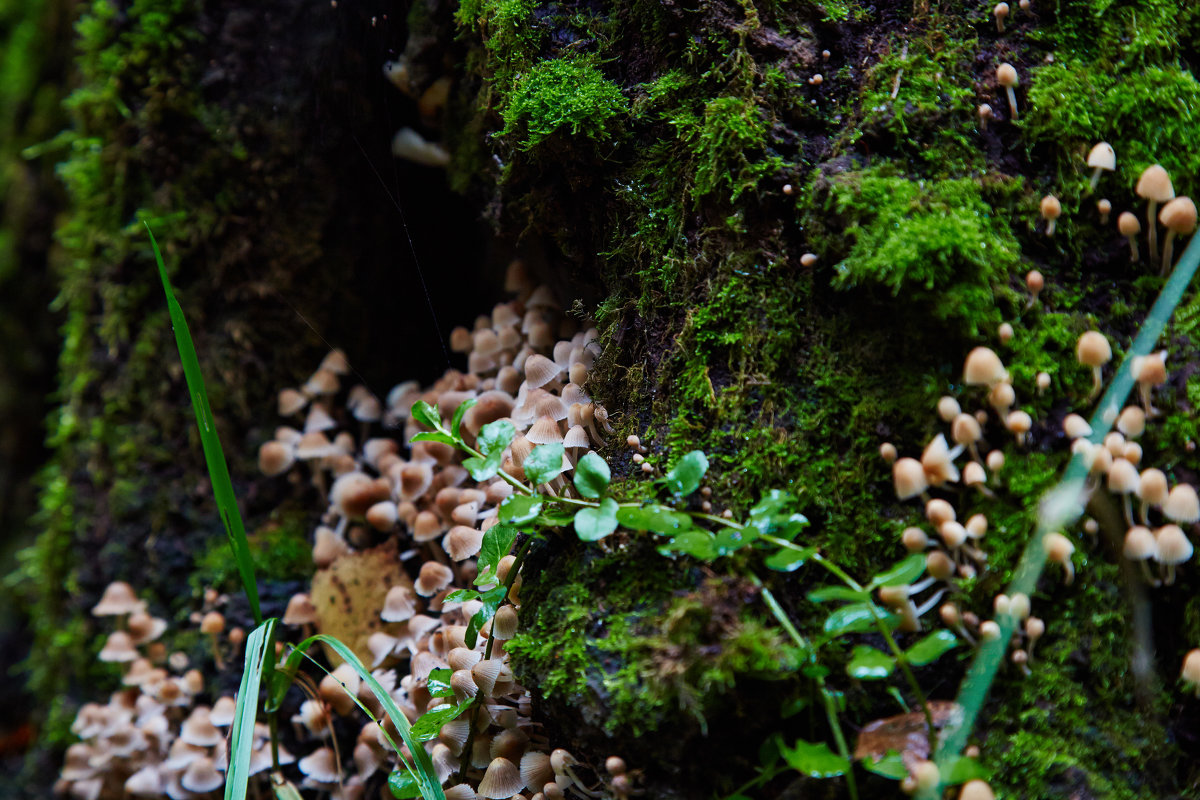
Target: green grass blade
{"x":1060,"y":509}
{"x":422,"y":770}
{"x":214,"y":457}
{"x":259,"y":646}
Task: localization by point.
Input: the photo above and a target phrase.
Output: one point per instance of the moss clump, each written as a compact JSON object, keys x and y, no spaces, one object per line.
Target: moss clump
{"x":1149,"y":115}
{"x":614,"y":643}
{"x":939,"y":244}
{"x":280,"y":549}
{"x":564,"y":96}
{"x":726,"y":141}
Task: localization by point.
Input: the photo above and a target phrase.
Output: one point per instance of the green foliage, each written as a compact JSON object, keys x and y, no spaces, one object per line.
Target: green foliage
{"x":564,"y":97}
{"x":938,"y":245}
{"x":1149,"y":116}
{"x":727,"y":141}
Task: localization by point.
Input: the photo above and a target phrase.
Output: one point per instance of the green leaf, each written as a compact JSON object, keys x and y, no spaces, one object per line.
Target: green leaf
{"x":439,"y":682}
{"x":429,"y":724}
{"x":214,"y":457}
{"x":772,"y":515}
{"x":960,"y":769}
{"x":695,"y":543}
{"x":497,"y":542}
{"x":459,"y":412}
{"x":890,"y":766}
{"x":593,"y":524}
{"x":427,"y":415}
{"x":815,"y":760}
{"x":434,"y":436}
{"x":482,"y":469}
{"x":519,"y":509}
{"x":855,"y":618}
{"x":495,"y":436}
{"x":903,"y":573}
{"x":931,"y":648}
{"x":868,"y":664}
{"x":657,"y":518}
{"x":473,"y":626}
{"x":260,"y":658}
{"x":544,"y":464}
{"x":827,"y":593}
{"x":684,"y":478}
{"x":460,"y":596}
{"x":592,"y":476}
{"x":403,"y":785}
{"x":730,"y":539}
{"x":785,"y":559}
{"x":283,"y":789}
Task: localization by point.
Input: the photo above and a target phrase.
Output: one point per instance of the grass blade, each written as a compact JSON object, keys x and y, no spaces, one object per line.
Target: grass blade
{"x":259,"y":645}
{"x":1061,"y":508}
{"x":214,"y":457}
{"x":422,"y":768}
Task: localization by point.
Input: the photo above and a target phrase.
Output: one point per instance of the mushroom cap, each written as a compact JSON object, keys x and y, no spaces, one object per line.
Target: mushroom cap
{"x":1152,"y":487}
{"x":399,"y":605}
{"x":118,"y":598}
{"x":938,"y":462}
{"x":1122,"y":477}
{"x":1075,"y":426}
{"x":983,"y":368}
{"x":433,"y":577}
{"x":1093,"y":350}
{"x":976,"y":790}
{"x":948,"y":408}
{"x":1006,"y":75}
{"x":320,"y":765}
{"x":1128,"y":224}
{"x":909,"y":478}
{"x":1051,"y":207}
{"x":1034,"y":281}
{"x":501,"y":780}
{"x":1058,"y":547}
{"x":1191,"y":667}
{"x":144,"y":628}
{"x":938,"y":511}
{"x":201,"y":776}
{"x":1151,"y":369}
{"x":199,"y":730}
{"x":1140,"y":543}
{"x":462,"y":542}
{"x":1182,"y":504}
{"x":1132,"y":421}
{"x":1173,"y":545}
{"x":1155,"y":184}
{"x":973,"y":474}
{"x":539,"y":370}
{"x":1018,"y":422}
{"x":118,"y":647}
{"x":1102,"y":156}
{"x":1179,"y":214}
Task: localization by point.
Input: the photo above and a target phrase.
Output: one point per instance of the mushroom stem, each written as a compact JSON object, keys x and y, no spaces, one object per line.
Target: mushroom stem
{"x":216,"y":649}
{"x":1050,"y":222}
{"x":1152,"y":221}
{"x":1133,"y":249}
{"x":1095,"y":179}
{"x":1168,"y":252}
{"x":1097,"y":383}
{"x":1144,"y":394}
{"x":1169,"y":574}
{"x":1012,"y":101}
{"x":1128,"y":509}
{"x":1150,"y":579}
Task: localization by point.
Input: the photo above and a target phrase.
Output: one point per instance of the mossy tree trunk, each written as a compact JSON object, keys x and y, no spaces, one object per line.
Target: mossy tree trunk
{"x":670,"y":165}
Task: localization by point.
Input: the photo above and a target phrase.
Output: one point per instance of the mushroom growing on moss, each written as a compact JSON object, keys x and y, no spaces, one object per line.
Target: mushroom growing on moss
{"x":1006,"y":76}
{"x":1129,"y":227}
{"x":1179,"y":217}
{"x":1155,"y":187}
{"x":1051,"y":211}
{"x":1093,"y":350}
{"x":1102,"y":158}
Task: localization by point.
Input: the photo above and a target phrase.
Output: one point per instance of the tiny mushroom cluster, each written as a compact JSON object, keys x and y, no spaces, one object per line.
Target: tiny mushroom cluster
{"x":526,"y":363}
{"x":154,"y":738}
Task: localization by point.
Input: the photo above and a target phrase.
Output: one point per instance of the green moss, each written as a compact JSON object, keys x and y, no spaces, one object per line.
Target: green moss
{"x":280,"y":549}
{"x":1077,"y":726}
{"x":937,"y":244}
{"x":615,"y":643}
{"x":1149,"y":115}
{"x":727,"y":142}
{"x":564,"y":96}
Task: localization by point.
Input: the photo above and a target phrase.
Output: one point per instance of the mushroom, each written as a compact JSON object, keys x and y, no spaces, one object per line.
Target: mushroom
{"x":1034,"y":282}
{"x":1129,"y":227}
{"x":1152,"y":490}
{"x":1000,"y":12}
{"x":985,"y":115}
{"x":1104,"y":208}
{"x":1155,"y":187}
{"x":1123,"y":480}
{"x":1059,"y":550}
{"x":1190,"y":674}
{"x":1102,"y":158}
{"x":1051,"y":210}
{"x":1141,"y":546}
{"x":1179,"y":217}
{"x":1149,"y":371}
{"x":1093,"y":350}
{"x":1173,"y":548}
{"x":1006,"y":76}
{"x":983,"y":368}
